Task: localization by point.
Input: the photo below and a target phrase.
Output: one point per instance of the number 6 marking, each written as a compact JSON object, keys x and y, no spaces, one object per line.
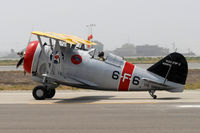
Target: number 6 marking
{"x":136,"y":80}
{"x":115,"y":75}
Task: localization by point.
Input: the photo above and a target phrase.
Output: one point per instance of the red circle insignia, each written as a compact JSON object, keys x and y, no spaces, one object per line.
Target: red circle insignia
{"x":76,"y":59}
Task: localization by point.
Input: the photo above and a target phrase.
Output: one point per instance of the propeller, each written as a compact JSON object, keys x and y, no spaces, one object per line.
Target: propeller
{"x":21,"y":54}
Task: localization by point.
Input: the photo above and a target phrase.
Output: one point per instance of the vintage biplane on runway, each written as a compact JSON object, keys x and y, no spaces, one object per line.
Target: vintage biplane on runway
{"x":63,"y":60}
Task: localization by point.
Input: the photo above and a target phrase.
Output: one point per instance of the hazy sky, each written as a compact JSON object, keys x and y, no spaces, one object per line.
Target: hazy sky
{"x":139,"y":22}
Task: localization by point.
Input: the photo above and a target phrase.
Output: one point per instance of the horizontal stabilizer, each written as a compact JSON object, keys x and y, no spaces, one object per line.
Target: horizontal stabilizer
{"x":156,"y":84}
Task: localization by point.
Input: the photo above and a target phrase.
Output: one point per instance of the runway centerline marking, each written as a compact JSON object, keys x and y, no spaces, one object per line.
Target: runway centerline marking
{"x":189,"y":106}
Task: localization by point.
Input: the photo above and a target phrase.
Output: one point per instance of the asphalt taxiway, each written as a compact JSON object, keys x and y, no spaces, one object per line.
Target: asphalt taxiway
{"x":100,"y":112}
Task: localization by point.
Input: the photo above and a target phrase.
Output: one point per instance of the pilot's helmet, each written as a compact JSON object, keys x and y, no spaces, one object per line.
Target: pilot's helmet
{"x":101,"y":54}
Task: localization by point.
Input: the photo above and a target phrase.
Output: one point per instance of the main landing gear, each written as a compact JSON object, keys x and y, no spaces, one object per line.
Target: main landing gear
{"x":151,"y":92}
{"x":41,"y":92}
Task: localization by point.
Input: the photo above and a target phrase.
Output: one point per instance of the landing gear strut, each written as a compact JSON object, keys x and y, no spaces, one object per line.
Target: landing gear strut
{"x":151,"y":92}
{"x":41,"y":92}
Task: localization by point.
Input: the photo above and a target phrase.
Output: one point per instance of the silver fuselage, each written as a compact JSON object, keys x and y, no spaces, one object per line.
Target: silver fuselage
{"x":111,"y":74}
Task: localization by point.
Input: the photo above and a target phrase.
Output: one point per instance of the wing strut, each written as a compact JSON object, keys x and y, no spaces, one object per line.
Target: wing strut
{"x":43,"y":52}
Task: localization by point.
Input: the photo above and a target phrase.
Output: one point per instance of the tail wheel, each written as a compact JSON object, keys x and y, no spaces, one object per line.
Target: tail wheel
{"x":39,"y":92}
{"x":50,"y":93}
{"x":152,"y":92}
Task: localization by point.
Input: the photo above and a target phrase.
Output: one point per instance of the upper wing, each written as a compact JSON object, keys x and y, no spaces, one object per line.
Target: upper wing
{"x":63,"y":37}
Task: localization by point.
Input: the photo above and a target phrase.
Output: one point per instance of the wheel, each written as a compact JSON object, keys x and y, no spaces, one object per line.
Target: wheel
{"x":39,"y":92}
{"x":50,"y":93}
{"x":152,"y":92}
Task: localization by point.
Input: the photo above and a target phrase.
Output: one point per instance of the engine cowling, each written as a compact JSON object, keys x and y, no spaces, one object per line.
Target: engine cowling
{"x":29,"y":55}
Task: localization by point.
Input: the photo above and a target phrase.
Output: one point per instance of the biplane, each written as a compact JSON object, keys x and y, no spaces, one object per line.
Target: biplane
{"x":58,"y":59}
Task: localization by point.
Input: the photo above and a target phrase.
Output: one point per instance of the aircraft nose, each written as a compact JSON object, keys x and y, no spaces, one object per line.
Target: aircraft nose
{"x":29,"y":55}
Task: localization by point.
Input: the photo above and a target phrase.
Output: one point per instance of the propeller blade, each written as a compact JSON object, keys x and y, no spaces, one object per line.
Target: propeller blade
{"x":24,"y":73}
{"x":21,"y":54}
{"x":20,"y":62}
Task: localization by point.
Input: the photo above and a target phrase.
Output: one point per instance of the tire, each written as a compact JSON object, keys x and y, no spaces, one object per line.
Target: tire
{"x":39,"y":92}
{"x":154,"y":97}
{"x":51,"y":93}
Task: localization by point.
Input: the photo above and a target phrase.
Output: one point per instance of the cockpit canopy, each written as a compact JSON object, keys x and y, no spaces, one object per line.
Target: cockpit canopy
{"x":110,"y":59}
{"x":114,"y":60}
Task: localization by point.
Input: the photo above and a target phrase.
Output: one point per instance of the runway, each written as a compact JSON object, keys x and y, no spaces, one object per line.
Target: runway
{"x":100,"y":112}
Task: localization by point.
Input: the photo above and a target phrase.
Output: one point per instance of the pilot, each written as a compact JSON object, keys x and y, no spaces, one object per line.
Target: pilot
{"x":101,"y":56}
{"x":82,"y":47}
{"x":45,"y":44}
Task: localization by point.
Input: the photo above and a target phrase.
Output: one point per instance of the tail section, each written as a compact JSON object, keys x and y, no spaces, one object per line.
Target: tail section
{"x":173,"y":68}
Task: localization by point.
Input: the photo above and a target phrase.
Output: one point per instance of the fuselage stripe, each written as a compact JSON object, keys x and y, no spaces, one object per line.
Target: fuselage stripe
{"x":126,"y":77}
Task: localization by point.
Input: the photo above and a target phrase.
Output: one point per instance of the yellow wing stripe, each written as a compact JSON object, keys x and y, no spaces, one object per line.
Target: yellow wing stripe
{"x":63,"y":37}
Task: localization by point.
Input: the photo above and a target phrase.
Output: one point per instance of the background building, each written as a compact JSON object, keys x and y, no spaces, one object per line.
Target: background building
{"x":127,"y":49}
{"x":151,"y":50}
{"x":11,"y":54}
{"x":144,"y":50}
